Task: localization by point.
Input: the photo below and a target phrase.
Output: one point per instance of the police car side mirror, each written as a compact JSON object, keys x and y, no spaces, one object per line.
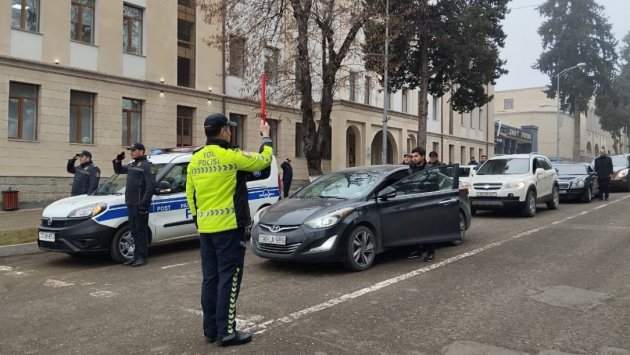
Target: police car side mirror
{"x":163,"y":188}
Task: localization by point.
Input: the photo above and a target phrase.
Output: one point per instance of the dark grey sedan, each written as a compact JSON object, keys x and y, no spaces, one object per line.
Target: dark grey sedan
{"x":576,"y":181}
{"x":352,"y":215}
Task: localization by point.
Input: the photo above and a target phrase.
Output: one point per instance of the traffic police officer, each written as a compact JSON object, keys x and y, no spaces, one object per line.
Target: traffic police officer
{"x":216,"y":191}
{"x":138,"y":193}
{"x":86,"y":174}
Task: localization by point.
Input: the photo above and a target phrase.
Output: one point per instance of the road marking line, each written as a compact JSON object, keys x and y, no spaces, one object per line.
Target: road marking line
{"x":175,"y":265}
{"x":57,"y":283}
{"x":263,"y":327}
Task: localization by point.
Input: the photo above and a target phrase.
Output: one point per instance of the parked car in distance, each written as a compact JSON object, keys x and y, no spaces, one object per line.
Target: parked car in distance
{"x":352,"y":215}
{"x":577,"y":181}
{"x":98,"y":223}
{"x":517,"y":181}
{"x":465,"y":172}
{"x":621,"y":166}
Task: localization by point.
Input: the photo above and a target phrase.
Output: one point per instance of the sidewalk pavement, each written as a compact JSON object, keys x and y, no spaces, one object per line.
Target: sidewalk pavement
{"x":26,"y":217}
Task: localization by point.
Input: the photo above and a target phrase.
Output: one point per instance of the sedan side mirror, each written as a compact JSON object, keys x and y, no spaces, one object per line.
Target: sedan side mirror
{"x":163,"y":188}
{"x":386,"y":193}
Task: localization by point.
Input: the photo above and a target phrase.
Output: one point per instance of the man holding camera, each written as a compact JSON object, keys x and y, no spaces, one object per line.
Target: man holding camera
{"x":86,"y":174}
{"x":138,"y":193}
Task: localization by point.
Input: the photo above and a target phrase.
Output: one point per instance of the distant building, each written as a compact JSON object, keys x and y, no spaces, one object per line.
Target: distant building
{"x":513,"y":140}
{"x":530,"y":106}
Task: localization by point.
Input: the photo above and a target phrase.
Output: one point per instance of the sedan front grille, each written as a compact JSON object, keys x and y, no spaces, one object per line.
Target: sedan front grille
{"x":564,"y":185}
{"x":488,"y":186}
{"x":276,"y":229}
{"x":278,"y":249}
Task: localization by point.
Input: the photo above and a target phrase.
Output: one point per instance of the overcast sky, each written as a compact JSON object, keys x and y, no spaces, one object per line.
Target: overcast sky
{"x":523,"y":45}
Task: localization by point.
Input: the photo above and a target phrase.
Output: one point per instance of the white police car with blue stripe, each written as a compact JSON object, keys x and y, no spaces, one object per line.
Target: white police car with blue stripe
{"x":98,"y":223}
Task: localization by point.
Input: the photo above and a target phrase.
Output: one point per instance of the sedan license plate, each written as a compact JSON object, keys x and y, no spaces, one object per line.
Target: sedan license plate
{"x":563,"y":192}
{"x":486,"y":193}
{"x":272,"y":239}
{"x":47,"y":236}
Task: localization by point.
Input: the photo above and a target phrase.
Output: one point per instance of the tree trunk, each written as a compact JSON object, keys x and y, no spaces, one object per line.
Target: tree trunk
{"x":423,"y":103}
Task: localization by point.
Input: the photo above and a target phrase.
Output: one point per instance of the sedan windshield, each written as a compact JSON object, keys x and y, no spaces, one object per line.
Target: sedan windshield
{"x":115,"y":184}
{"x":504,"y":167}
{"x":342,"y":185}
{"x":576,"y":169}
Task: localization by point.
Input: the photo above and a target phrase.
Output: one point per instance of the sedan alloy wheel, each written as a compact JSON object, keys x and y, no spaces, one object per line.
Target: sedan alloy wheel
{"x":361,"y":249}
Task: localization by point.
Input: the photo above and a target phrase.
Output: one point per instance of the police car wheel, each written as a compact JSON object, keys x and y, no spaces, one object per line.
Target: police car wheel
{"x":122,"y":245}
{"x":360,"y":249}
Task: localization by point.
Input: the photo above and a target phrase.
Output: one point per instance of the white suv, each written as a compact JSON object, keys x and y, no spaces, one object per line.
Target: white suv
{"x":515,"y":181}
{"x":98,"y":222}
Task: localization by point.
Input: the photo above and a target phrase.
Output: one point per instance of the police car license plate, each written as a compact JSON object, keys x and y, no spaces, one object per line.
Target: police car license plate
{"x":486,"y":193}
{"x":272,"y":239}
{"x":47,"y":236}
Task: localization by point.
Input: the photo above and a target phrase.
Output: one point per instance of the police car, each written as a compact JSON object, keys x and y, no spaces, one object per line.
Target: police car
{"x":98,"y":223}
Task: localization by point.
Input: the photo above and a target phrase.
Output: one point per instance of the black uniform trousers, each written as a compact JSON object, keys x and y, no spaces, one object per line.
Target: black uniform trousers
{"x":222,"y":259}
{"x":139,"y":227}
{"x":604,"y":187}
{"x":286,"y":186}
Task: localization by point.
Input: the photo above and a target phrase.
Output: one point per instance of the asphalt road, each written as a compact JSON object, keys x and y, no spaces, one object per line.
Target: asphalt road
{"x":558,"y":283}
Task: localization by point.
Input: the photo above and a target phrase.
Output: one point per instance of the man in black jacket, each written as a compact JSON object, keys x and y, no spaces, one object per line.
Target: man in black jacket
{"x":138,"y":193}
{"x":86,"y":174}
{"x":287,"y":176}
{"x":604,"y":168}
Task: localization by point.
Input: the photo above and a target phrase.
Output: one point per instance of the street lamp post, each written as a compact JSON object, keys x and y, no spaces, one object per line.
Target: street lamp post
{"x":385,"y":86}
{"x":579,"y":65}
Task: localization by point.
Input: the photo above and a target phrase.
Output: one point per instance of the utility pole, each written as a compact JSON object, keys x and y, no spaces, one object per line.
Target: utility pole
{"x":385,"y":85}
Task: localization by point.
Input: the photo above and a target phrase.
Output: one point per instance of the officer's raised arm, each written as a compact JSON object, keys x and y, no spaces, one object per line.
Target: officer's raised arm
{"x":256,"y":161}
{"x":118,"y":167}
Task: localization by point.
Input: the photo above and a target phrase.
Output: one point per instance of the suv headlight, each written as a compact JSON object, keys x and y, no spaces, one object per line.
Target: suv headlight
{"x":258,"y":215}
{"x":88,"y":211}
{"x":329,"y":220}
{"x":515,"y":185}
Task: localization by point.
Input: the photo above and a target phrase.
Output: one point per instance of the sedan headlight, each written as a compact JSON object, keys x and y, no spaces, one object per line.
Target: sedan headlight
{"x":88,"y":211}
{"x":259,"y":214}
{"x":578,"y":184}
{"x":621,"y":173}
{"x":515,"y":185}
{"x":329,"y":220}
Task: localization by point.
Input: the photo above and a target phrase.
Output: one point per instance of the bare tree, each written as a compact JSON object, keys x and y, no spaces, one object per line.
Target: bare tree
{"x":314,"y":38}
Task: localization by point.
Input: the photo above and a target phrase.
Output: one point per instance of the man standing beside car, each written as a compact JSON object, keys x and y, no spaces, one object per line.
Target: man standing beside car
{"x":216,"y":192}
{"x":287,"y":176}
{"x":138,"y":193}
{"x":86,"y":174}
{"x":603,"y":168}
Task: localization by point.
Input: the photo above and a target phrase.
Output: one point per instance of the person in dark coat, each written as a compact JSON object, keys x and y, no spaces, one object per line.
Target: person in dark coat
{"x":138,"y":194}
{"x":287,"y":176}
{"x":86,"y":174}
{"x":433,"y":160}
{"x":473,"y":161}
{"x":604,"y":169}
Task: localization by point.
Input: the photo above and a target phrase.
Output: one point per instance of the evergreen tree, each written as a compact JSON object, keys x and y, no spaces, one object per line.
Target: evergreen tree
{"x":576,"y":31}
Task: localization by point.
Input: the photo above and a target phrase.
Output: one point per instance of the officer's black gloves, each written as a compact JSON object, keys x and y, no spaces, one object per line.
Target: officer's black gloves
{"x":195,"y":220}
{"x":121,"y":156}
{"x":143,"y":209}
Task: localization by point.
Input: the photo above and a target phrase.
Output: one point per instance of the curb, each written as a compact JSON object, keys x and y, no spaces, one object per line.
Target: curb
{"x":22,"y":210}
{"x":19,"y":249}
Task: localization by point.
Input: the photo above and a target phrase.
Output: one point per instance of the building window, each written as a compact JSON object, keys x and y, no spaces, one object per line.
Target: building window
{"x":462,"y":154}
{"x":236,"y":139}
{"x":272,"y":58}
{"x":299,"y":140}
{"x":184,"y":126}
{"x":237,"y":56}
{"x":82,"y":21}
{"x":81,"y":117}
{"x":352,"y":89}
{"x":405,"y":99}
{"x":436,"y":108}
{"x":131,"y":121}
{"x":132,"y":29}
{"x":461,"y":119}
{"x":368,"y":90}
{"x":451,"y":153}
{"x":186,"y":44}
{"x":508,"y":104}
{"x":273,"y":133}
{"x":25,"y":15}
{"x":23,"y":111}
{"x":436,"y":147}
{"x":481,"y":120}
{"x":472,"y":154}
{"x":480,"y":154}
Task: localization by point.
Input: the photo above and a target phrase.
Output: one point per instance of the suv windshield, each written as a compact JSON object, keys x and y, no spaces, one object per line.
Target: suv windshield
{"x":619,"y":160}
{"x":504,"y":166}
{"x":115,"y":184}
{"x":343,"y":185}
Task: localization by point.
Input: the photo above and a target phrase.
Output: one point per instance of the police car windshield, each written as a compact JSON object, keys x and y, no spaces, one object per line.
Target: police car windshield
{"x":115,"y":184}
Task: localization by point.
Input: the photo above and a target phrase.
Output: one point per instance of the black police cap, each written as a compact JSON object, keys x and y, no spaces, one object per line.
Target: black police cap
{"x":217,"y":120}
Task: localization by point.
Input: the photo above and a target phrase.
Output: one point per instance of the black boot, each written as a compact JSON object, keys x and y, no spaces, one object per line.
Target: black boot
{"x":238,"y":338}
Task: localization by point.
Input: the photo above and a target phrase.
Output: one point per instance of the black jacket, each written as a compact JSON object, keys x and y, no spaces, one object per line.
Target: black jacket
{"x":86,"y":177}
{"x":603,"y":166}
{"x":140,"y":180}
{"x":287,"y":171}
{"x":413,"y":168}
